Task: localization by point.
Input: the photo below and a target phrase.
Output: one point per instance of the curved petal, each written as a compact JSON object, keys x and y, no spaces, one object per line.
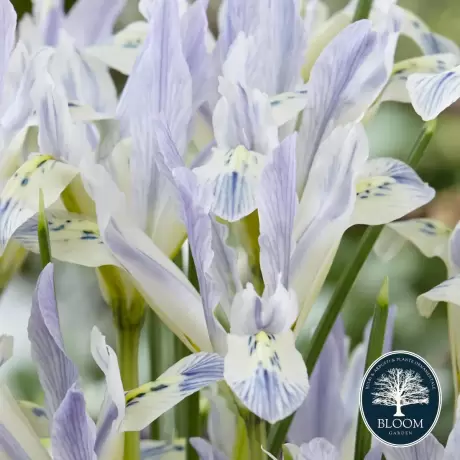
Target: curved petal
{"x":387,"y":190}
{"x":448,"y":291}
{"x":19,"y":198}
{"x":6,"y":348}
{"x":413,"y":27}
{"x":429,"y":236}
{"x":37,"y":418}
{"x":122,"y":51}
{"x":162,"y":450}
{"x":267,"y":373}
{"x":164,"y":286}
{"x":206,"y":451}
{"x":56,"y":371}
{"x":396,"y":90}
{"x":428,"y":449}
{"x":146,"y":403}
{"x":318,"y":449}
{"x":14,"y":425}
{"x":234,"y":177}
{"x":431,"y":94}
{"x":324,"y":212}
{"x":73,"y":239}
{"x":286,"y":106}
{"x":277,"y":203}
{"x":73,"y":434}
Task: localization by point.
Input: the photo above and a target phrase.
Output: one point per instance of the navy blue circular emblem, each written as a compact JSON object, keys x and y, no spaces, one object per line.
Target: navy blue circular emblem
{"x":400,"y":398}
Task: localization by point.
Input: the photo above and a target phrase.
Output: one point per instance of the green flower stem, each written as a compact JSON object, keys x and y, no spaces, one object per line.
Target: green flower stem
{"x":188,"y":412}
{"x":128,"y":356}
{"x":362,"y":10}
{"x":374,"y":351}
{"x":154,"y":328}
{"x":256,"y":429}
{"x":43,"y":233}
{"x":311,"y":352}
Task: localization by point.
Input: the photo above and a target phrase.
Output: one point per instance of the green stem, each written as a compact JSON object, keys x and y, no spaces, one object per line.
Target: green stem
{"x":43,"y":233}
{"x":257,"y":436}
{"x":374,"y":350}
{"x":362,"y":10}
{"x":128,"y":356}
{"x":311,"y":352}
{"x":188,"y":412}
{"x":154,"y":328}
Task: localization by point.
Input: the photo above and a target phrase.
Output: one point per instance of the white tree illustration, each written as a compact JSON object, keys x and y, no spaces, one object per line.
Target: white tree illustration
{"x":400,"y":387}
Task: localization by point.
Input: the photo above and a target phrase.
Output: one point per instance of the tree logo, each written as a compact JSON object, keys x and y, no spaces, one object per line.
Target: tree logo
{"x":400,"y":398}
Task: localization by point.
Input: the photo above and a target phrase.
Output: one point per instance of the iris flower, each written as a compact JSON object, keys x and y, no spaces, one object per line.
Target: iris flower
{"x":63,"y":424}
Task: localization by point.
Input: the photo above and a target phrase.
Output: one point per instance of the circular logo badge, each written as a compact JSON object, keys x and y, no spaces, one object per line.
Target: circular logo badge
{"x":400,"y":398}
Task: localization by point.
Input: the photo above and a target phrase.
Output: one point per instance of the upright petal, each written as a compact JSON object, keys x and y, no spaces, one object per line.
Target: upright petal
{"x":431,"y":94}
{"x":90,"y":22}
{"x":195,"y":213}
{"x":245,"y":134}
{"x":6,"y":348}
{"x":428,"y":449}
{"x":160,"y":83}
{"x":113,"y":408}
{"x":74,"y":433}
{"x":387,"y":190}
{"x":275,"y":313}
{"x":49,"y":16}
{"x":58,"y":135}
{"x":345,"y":80}
{"x":146,"y":403}
{"x":323,"y":414}
{"x":154,"y":274}
{"x":15,"y":430}
{"x":8,"y":28}
{"x":277,"y":204}
{"x":56,"y":371}
{"x":194,"y":30}
{"x":267,"y":373}
{"x":324,"y":211}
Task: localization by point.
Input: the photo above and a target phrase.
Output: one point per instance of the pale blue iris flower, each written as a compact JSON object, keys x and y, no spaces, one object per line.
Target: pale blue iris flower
{"x":63,"y":423}
{"x":434,"y":239}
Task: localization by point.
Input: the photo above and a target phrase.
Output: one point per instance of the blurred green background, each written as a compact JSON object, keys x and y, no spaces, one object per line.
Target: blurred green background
{"x":391,"y":133}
